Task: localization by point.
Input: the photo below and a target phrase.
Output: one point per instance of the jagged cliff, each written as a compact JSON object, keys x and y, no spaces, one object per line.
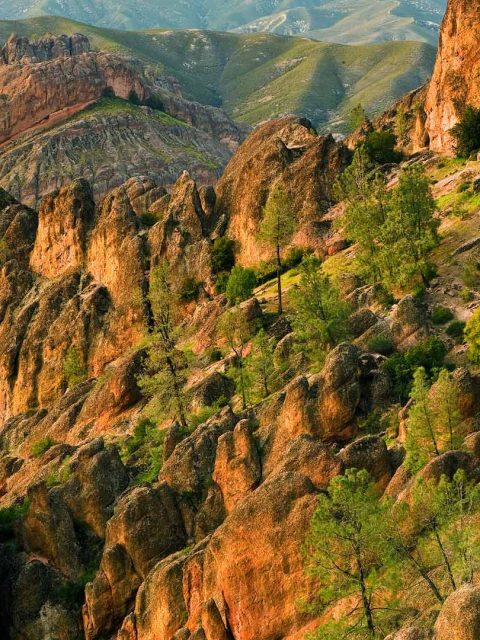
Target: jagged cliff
{"x":56,"y":124}
{"x":455,"y":79}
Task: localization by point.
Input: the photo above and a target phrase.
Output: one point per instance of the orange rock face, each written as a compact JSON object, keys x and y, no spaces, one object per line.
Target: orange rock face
{"x":455,"y":79}
{"x":287,"y":153}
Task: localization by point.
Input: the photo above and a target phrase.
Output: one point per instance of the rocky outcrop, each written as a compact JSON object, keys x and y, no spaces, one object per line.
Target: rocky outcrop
{"x":19,"y":50}
{"x":288,"y":153}
{"x":459,"y":618}
{"x":47,"y":82}
{"x":454,"y":83}
{"x":64,"y":222}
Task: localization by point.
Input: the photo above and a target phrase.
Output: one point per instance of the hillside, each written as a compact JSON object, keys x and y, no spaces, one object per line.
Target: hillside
{"x":347,"y":21}
{"x":259,"y":76}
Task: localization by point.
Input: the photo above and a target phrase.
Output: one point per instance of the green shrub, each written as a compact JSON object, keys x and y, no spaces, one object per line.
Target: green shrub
{"x":148,"y":219}
{"x":293,"y":258}
{"x":456,"y":329}
{"x":223,"y":255}
{"x":9,"y":516}
{"x":463,"y":186}
{"x":382,"y":344}
{"x":240,"y":285}
{"x":154,"y":102}
{"x":222,"y":281}
{"x":190,"y":289}
{"x":471,"y":274}
{"x":42,"y":446}
{"x":74,"y":368}
{"x":442,"y":315}
{"x":467,"y":132}
{"x":203,"y":414}
{"x":472,"y":337}
{"x":429,"y":354}
{"x":108,"y":92}
{"x":145,"y":447}
{"x":134,"y":98}
{"x":380,"y":147}
{"x":213,"y":354}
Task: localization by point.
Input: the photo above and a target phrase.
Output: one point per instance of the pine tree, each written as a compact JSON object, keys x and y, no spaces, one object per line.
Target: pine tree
{"x":235,"y":330}
{"x":166,"y":365}
{"x":345,"y":550}
{"x":319,"y":316}
{"x":433,"y":419}
{"x":261,"y":365}
{"x":277,"y":228}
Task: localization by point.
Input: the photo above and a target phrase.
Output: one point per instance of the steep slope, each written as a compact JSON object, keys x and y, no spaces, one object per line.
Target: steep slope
{"x":345,"y":21}
{"x":73,"y":130}
{"x":260,"y":76}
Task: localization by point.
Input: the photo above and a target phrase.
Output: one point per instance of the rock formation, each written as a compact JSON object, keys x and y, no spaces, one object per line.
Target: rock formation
{"x":454,"y":83}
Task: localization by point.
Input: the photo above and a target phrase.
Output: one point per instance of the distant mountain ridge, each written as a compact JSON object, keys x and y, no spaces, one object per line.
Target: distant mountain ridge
{"x":255,"y":77}
{"x":344,"y":21}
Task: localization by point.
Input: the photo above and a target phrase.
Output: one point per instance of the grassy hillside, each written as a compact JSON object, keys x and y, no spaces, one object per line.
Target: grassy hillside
{"x":259,"y":76}
{"x":344,"y":21}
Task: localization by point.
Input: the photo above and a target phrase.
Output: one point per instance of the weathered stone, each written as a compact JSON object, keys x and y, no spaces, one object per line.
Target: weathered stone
{"x":459,"y":618}
{"x":370,"y":453}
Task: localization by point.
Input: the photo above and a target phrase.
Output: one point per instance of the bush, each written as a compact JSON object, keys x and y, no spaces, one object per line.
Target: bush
{"x":293,"y":258}
{"x":223,"y":255}
{"x":467,"y":132}
{"x":134,"y":98}
{"x":456,"y":329}
{"x":145,"y":447}
{"x":9,"y":516}
{"x":429,"y":354}
{"x":154,"y":102}
{"x":381,"y":344}
{"x":190,"y":289}
{"x":73,"y":368}
{"x":148,"y":219}
{"x":240,"y":285}
{"x":442,"y":315}
{"x":42,"y":446}
{"x":472,"y":337}
{"x":108,"y":92}
{"x":380,"y":147}
{"x":221,"y":282}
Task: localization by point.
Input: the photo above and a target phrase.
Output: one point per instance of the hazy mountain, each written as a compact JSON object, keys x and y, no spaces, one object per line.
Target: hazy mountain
{"x":346,"y":21}
{"x":258,"y":76}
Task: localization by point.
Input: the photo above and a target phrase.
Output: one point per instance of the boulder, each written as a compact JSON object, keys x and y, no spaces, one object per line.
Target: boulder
{"x":370,"y":453}
{"x":459,"y":618}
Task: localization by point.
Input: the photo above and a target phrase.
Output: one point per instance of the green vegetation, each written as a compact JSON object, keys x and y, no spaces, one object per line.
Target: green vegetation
{"x":395,"y":230}
{"x":467,"y":132}
{"x":345,"y":548}
{"x":190,"y":289}
{"x":472,"y":337}
{"x":276,"y":231}
{"x":240,"y":285}
{"x":235,"y":330}
{"x":145,"y":447}
{"x":166,"y":365}
{"x":319,"y":314}
{"x":74,"y":368}
{"x":223,"y":255}
{"x":429,"y":354}
{"x":433,"y":419}
{"x":42,"y":446}
{"x":261,"y":367}
{"x":456,"y":329}
{"x":370,"y":551}
{"x":9,"y":517}
{"x":442,"y":315}
{"x":278,"y":75}
{"x":380,"y":147}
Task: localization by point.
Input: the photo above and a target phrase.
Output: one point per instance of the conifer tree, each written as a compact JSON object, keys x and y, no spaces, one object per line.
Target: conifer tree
{"x":277,"y":228}
{"x":319,"y":316}
{"x":346,"y":548}
{"x":166,"y":365}
{"x":235,"y":330}
{"x":261,"y":365}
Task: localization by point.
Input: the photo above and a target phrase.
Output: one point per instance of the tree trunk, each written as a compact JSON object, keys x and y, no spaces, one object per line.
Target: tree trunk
{"x":279,"y":281}
{"x":445,"y":559}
